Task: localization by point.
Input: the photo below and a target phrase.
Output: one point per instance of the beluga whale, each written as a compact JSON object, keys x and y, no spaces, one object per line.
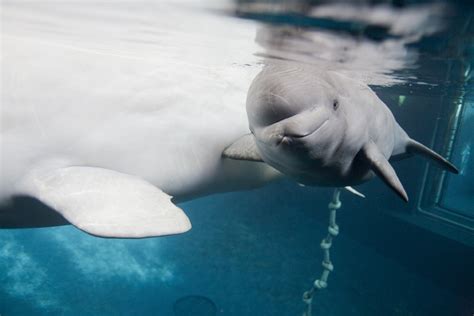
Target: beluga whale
{"x":110,"y":116}
{"x":323,"y":128}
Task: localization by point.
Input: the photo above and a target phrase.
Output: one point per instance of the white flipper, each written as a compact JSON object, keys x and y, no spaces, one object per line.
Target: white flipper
{"x":354,"y":191}
{"x":243,"y":148}
{"x":107,"y":203}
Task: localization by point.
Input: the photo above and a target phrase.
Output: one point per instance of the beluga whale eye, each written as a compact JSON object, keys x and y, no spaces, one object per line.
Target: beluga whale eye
{"x":335,"y":104}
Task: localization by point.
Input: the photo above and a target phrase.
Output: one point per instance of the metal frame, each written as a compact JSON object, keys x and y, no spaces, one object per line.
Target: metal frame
{"x":429,"y":210}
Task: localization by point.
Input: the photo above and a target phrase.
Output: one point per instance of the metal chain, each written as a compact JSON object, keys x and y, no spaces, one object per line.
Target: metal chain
{"x":326,"y":243}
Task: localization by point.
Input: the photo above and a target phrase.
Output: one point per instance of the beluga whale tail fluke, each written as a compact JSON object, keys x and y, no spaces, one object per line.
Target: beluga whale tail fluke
{"x":322,"y":128}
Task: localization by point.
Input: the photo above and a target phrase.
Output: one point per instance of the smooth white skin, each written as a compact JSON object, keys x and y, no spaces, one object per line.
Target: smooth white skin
{"x":112,"y":86}
{"x":311,"y":125}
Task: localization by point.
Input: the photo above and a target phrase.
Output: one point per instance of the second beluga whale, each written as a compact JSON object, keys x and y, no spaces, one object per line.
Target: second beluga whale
{"x":323,"y":128}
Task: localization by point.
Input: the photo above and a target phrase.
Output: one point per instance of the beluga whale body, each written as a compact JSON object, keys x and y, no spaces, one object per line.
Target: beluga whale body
{"x":322,"y":128}
{"x":111,"y":116}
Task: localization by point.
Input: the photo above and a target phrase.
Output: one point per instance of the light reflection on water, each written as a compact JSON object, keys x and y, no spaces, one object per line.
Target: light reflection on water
{"x":382,"y":44}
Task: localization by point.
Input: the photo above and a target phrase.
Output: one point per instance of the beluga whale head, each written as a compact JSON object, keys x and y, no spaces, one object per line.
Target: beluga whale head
{"x":323,"y":128}
{"x":300,"y":123}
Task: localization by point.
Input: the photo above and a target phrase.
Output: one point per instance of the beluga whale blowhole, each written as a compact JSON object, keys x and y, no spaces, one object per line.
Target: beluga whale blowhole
{"x":322,"y":128}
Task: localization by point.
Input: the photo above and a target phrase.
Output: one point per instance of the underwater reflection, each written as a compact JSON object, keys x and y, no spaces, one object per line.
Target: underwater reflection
{"x":364,"y":41}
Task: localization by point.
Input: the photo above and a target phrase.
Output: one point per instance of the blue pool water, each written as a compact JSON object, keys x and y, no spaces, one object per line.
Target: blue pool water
{"x":251,"y":253}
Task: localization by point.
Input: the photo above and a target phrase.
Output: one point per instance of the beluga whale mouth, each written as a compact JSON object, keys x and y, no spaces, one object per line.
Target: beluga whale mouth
{"x":297,"y":135}
{"x":296,"y":127}
{"x":292,"y":138}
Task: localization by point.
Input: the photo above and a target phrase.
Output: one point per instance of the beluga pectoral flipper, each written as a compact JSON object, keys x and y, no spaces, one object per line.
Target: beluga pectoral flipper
{"x":106,"y":203}
{"x":155,"y":124}
{"x":243,"y":148}
{"x":414,"y":147}
{"x":382,"y":168}
{"x":322,"y":128}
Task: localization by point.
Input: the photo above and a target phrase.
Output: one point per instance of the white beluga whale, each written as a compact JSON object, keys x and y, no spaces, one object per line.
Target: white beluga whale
{"x":324,"y":129}
{"x":106,"y":122}
{"x":110,"y":116}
